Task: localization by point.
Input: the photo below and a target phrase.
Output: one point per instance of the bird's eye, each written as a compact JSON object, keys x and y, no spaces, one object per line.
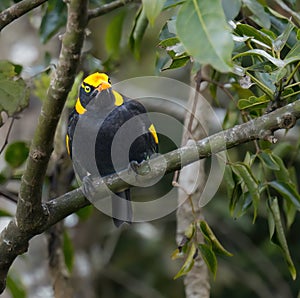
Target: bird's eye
{"x":87,"y":89}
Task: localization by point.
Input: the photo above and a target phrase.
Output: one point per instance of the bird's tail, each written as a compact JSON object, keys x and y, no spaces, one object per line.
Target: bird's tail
{"x":122,"y":208}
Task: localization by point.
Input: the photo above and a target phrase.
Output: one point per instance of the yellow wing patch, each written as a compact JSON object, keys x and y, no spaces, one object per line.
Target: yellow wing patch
{"x":68,"y":143}
{"x":79,"y":108}
{"x":153,"y":132}
{"x":96,"y":79}
{"x":118,"y":98}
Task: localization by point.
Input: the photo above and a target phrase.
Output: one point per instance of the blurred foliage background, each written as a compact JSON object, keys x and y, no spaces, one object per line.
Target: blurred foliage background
{"x":136,"y":262}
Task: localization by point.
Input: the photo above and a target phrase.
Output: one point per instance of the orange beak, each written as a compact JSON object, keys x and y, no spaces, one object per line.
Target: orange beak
{"x":103,"y":86}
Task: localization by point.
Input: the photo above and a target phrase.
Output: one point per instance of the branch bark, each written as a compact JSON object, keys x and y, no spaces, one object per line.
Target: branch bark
{"x":17,"y":10}
{"x":106,"y":8}
{"x":14,"y":239}
{"x":31,"y":215}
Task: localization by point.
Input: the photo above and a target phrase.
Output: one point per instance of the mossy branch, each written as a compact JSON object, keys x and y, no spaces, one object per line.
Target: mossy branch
{"x":31,"y":214}
{"x":14,"y":239}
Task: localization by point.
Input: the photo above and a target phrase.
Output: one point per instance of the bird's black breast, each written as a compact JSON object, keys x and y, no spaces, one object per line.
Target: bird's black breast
{"x":123,"y":137}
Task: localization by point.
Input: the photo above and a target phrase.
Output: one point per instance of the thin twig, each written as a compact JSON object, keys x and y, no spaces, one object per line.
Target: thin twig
{"x":106,"y":8}
{"x":7,"y":135}
{"x":8,"y":195}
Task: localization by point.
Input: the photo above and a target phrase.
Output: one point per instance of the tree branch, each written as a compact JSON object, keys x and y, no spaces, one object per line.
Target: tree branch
{"x":70,"y":202}
{"x":14,"y":241}
{"x":17,"y":10}
{"x":31,"y":215}
{"x":106,"y":8}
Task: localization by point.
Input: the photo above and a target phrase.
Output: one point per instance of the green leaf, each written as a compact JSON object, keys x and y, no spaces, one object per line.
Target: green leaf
{"x":113,"y":35}
{"x":281,"y":40}
{"x":259,"y":14}
{"x":68,"y":250}
{"x":280,"y":239}
{"x":172,"y":3}
{"x":231,"y":8}
{"x":16,"y":153}
{"x":176,"y":63}
{"x":288,"y":191}
{"x":262,"y":53}
{"x":230,"y":183}
{"x":169,"y":42}
{"x":212,"y":239}
{"x":15,"y":287}
{"x":41,"y":85}
{"x":202,"y":28}
{"x":14,"y":94}
{"x":54,"y":18}
{"x":290,"y":213}
{"x":283,"y":174}
{"x":85,"y":213}
{"x":294,"y":53}
{"x":189,"y":262}
{"x":152,"y":9}
{"x":251,"y":32}
{"x":268,"y":160}
{"x":137,"y":33}
{"x":4,"y":213}
{"x":209,"y":258}
{"x":245,"y":173}
{"x":253,"y":102}
{"x":73,"y":94}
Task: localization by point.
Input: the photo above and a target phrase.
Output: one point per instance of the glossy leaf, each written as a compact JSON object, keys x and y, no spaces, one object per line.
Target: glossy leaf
{"x":279,"y":237}
{"x":209,"y":258}
{"x":152,"y":9}
{"x":212,"y":239}
{"x":268,"y":160}
{"x":14,"y":94}
{"x":54,"y":18}
{"x":16,"y":153}
{"x":281,"y":40}
{"x":203,"y":30}
{"x":251,"y":32}
{"x":288,"y":191}
{"x":230,"y":183}
{"x":231,"y":8}
{"x":294,"y":53}
{"x":245,"y":173}
{"x":137,"y":33}
{"x":283,"y":174}
{"x":189,"y":262}
{"x":262,"y":53}
{"x":259,"y":14}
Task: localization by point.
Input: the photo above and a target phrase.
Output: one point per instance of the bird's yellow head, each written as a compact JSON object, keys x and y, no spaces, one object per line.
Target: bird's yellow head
{"x":89,"y":88}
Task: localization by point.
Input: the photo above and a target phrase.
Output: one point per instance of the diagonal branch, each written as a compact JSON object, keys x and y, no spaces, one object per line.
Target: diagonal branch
{"x":14,"y":241}
{"x":17,"y":10}
{"x":259,"y":128}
